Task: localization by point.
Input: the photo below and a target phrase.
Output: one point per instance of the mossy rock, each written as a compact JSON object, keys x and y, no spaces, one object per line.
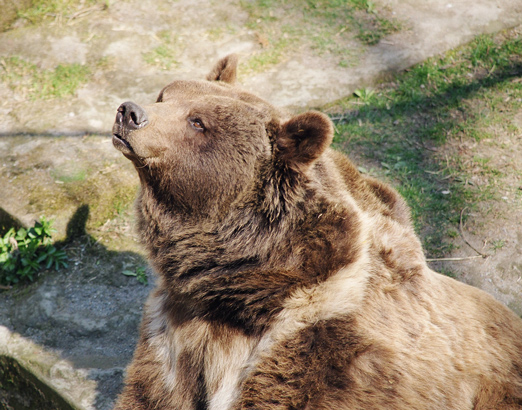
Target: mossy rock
{"x":22,"y":390}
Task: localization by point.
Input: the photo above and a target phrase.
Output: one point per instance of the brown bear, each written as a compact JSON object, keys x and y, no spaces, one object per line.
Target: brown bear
{"x":288,"y":280}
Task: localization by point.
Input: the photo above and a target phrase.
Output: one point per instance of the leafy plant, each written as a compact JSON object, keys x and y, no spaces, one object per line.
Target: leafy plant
{"x":24,"y":252}
{"x":140,"y":274}
{"x":365,"y":94}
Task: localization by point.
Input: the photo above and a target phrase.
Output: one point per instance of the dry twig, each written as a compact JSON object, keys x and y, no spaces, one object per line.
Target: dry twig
{"x":454,"y":259}
{"x":461,"y":231}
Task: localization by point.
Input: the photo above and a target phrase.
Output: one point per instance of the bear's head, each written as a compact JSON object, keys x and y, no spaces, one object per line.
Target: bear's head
{"x":207,"y":144}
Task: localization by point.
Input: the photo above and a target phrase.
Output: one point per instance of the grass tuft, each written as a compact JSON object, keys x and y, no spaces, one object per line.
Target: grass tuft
{"x":35,"y":83}
{"x":41,"y":10}
{"x":165,"y":55}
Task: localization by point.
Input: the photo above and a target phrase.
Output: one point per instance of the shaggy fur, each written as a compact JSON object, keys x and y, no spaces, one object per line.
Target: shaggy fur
{"x":288,"y":280}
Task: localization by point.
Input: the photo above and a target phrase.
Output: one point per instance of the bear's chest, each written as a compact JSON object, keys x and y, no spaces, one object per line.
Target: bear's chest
{"x":202,"y":365}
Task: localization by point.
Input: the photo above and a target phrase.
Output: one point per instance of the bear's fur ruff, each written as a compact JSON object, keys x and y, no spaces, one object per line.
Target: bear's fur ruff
{"x":288,"y":280}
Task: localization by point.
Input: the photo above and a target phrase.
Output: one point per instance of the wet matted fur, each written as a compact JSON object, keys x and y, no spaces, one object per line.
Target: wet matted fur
{"x":288,"y":280}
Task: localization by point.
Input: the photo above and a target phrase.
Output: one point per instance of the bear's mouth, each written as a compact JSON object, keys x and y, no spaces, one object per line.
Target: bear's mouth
{"x":121,"y":144}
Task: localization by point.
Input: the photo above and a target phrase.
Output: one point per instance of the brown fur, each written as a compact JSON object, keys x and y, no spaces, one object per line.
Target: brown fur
{"x":288,"y":280}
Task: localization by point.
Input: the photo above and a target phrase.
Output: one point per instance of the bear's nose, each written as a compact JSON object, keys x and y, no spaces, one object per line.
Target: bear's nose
{"x":131,"y":116}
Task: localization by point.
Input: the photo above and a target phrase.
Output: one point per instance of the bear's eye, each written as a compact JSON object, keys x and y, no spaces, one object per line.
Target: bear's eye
{"x":197,"y":124}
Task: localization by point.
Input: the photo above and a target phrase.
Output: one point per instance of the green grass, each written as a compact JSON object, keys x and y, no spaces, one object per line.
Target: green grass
{"x":325,"y":26}
{"x":165,"y":55}
{"x":269,"y":57}
{"x":417,"y":131}
{"x":36,"y":83}
{"x":62,"y":81}
{"x":74,"y":176}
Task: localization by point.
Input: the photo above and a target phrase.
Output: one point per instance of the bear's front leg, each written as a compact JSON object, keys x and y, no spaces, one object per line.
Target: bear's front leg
{"x":163,"y":374}
{"x":148,"y":386}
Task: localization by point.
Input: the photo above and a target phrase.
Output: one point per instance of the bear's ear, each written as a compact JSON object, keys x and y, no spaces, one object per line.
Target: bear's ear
{"x":225,"y":70}
{"x":303,"y":139}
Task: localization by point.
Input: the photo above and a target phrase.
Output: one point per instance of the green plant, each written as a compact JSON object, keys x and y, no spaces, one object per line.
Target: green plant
{"x":139,"y":273}
{"x":498,"y":244}
{"x":24,"y":252}
{"x":70,"y":176}
{"x":365,"y":94}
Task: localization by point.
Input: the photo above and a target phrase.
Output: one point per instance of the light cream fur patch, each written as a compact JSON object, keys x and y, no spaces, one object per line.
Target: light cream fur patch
{"x":159,"y":333}
{"x":224,"y":353}
{"x":226,"y":361}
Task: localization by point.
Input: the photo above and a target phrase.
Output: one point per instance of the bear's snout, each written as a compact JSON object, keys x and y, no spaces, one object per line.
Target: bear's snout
{"x":131,"y":116}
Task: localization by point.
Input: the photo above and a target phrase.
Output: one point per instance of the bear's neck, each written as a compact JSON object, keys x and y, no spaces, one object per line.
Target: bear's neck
{"x":241,"y":269}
